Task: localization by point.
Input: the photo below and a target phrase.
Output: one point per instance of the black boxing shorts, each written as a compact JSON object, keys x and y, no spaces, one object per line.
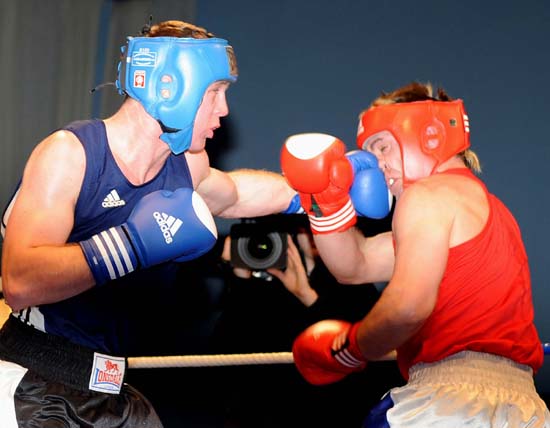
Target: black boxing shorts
{"x":49,"y":382}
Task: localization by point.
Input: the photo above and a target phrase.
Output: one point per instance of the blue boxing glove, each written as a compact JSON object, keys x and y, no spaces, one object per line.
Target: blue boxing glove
{"x":369,"y":192}
{"x":163,"y":226}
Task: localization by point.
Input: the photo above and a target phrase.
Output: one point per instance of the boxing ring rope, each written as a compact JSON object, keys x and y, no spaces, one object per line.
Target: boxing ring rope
{"x":210,"y":360}
{"x":224,"y":359}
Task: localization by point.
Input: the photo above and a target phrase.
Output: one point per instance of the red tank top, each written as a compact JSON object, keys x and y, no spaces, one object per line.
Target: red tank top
{"x":484,"y":302}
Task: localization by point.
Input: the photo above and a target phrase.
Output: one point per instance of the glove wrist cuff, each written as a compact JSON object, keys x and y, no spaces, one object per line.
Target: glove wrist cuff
{"x":109,"y":255}
{"x":339,"y":221}
{"x":295,"y":206}
{"x":350,"y":355}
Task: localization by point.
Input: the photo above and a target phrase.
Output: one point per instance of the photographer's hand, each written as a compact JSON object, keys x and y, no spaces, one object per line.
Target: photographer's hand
{"x":294,"y":277}
{"x":226,"y":257}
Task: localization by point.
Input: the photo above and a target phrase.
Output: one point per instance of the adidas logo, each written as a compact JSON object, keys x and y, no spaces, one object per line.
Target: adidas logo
{"x":168,"y":224}
{"x":113,"y":200}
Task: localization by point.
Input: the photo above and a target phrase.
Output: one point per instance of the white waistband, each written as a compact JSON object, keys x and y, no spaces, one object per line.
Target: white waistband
{"x":475,"y":368}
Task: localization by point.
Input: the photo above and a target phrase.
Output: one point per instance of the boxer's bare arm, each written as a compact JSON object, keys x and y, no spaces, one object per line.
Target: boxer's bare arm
{"x":422,"y":226}
{"x":37,"y":265}
{"x":245,"y":192}
{"x":259,"y":192}
{"x":367,"y":259}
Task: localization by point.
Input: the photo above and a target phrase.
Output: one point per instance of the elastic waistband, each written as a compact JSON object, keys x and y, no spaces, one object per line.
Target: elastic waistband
{"x":52,"y":357}
{"x":475,"y":368}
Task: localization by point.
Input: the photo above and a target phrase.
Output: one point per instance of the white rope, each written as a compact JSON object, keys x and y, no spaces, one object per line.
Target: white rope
{"x":229,"y":359}
{"x":210,"y":360}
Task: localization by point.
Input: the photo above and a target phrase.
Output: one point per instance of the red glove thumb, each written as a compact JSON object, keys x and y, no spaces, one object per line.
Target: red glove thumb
{"x":341,"y":174}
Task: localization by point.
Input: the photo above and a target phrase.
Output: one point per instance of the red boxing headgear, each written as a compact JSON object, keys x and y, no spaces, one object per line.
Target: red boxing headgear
{"x":428,"y":133}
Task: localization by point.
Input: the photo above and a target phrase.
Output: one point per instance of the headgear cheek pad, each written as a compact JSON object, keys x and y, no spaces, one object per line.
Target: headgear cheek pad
{"x":428,"y":133}
{"x":169,"y":76}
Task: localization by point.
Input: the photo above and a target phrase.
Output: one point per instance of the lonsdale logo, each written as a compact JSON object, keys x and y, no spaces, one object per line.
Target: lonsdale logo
{"x":107,"y":373}
{"x":111,"y":374}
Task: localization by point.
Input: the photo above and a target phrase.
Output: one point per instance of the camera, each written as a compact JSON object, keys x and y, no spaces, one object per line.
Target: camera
{"x":258,"y":245}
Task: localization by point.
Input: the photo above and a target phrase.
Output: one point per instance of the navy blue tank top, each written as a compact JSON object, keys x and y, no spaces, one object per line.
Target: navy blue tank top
{"x":112,"y":318}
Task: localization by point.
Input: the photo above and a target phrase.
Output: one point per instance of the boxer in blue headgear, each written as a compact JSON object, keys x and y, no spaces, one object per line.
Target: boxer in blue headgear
{"x":169,"y":75}
{"x":107,"y":209}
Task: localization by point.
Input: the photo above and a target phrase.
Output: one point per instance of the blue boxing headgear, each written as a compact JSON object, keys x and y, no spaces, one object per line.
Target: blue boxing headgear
{"x":169,"y":76}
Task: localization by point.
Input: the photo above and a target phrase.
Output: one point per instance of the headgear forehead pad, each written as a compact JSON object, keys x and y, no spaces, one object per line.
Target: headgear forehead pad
{"x":169,"y":76}
{"x":428,"y":132}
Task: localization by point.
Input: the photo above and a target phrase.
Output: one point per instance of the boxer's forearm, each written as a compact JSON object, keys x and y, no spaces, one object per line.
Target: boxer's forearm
{"x":259,"y":193}
{"x":45,"y":274}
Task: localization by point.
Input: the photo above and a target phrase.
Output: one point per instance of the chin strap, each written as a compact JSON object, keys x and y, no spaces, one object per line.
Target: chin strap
{"x":101,"y":86}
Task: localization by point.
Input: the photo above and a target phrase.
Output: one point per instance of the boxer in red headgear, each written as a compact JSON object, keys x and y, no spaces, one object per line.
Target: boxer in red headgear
{"x":428,"y":132}
{"x":457,"y":308}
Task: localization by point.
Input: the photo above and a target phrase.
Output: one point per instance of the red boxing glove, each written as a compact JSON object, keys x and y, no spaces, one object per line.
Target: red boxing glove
{"x":316,"y":167}
{"x":315,"y":359}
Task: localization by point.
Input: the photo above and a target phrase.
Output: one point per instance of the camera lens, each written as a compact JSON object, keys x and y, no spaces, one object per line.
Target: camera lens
{"x":260,"y":247}
{"x":261,"y":251}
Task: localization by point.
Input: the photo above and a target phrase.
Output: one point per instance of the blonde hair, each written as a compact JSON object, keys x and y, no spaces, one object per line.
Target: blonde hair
{"x":416,"y":91}
{"x":471,"y":160}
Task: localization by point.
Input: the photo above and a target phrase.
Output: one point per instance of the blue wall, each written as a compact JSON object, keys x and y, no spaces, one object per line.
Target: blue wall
{"x":313,"y":65}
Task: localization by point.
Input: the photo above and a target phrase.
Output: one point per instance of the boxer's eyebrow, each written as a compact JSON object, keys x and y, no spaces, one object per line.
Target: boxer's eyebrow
{"x":371,"y":144}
